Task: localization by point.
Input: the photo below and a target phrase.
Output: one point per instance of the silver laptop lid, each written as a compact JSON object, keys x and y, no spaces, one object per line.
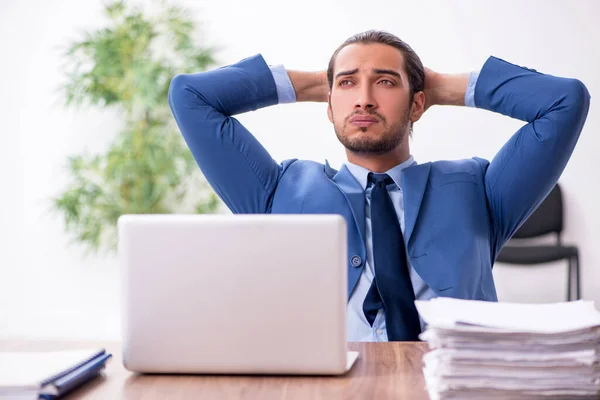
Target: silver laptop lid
{"x":234,"y":293}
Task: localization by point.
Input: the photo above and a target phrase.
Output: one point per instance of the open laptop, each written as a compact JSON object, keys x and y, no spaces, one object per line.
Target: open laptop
{"x":234,"y":294}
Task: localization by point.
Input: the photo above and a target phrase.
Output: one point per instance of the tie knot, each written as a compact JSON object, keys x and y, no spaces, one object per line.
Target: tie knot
{"x":376,"y":179}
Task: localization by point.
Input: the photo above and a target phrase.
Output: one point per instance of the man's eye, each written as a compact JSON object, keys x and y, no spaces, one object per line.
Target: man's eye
{"x":345,"y":82}
{"x":386,"y":82}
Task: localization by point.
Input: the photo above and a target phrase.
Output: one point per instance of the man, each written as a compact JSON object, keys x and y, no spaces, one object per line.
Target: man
{"x":415,"y":231}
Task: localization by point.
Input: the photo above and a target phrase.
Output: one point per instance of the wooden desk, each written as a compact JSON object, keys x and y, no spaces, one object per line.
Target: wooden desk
{"x":382,"y":371}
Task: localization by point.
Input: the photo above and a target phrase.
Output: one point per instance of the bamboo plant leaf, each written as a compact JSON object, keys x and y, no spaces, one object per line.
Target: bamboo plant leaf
{"x":147,"y":168}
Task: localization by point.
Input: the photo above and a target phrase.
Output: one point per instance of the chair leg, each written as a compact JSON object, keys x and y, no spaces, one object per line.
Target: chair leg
{"x":577,"y":278}
{"x":569,"y":275}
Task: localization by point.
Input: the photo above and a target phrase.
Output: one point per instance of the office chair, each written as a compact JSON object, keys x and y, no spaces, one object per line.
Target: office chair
{"x":547,"y":218}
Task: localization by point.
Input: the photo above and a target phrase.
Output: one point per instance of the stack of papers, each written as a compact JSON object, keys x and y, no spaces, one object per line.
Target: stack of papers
{"x":485,"y":350}
{"x":48,"y":375}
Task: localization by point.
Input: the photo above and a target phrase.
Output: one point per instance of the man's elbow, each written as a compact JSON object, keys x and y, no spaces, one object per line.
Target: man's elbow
{"x":178,"y":88}
{"x":579,"y":99}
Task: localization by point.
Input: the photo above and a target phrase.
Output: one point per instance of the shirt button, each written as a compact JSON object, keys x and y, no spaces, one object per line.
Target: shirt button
{"x":355,"y":261}
{"x":379,"y":331}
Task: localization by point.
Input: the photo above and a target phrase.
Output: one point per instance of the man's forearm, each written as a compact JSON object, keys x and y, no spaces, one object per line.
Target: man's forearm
{"x":309,"y":86}
{"x":445,"y":89}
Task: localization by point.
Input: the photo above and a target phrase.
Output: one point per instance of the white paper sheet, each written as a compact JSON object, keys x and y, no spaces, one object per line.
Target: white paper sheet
{"x":542,"y":318}
{"x":22,"y":370}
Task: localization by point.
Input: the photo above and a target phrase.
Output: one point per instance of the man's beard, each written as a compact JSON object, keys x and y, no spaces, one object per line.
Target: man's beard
{"x":391,"y":138}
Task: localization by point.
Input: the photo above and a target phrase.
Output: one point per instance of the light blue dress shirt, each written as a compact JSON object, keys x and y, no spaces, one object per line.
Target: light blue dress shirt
{"x":358,"y":328}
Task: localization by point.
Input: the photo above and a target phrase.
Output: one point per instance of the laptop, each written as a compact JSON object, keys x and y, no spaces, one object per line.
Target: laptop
{"x":234,"y":294}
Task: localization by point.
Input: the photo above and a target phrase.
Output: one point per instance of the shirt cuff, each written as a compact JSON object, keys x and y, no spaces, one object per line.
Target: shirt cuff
{"x":285,"y":89}
{"x":470,"y":92}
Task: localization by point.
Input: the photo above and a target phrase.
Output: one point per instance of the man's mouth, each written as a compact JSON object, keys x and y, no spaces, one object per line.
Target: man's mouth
{"x":363,"y":120}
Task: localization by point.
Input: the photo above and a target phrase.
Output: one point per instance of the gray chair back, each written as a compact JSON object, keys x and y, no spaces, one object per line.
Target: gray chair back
{"x":547,"y":218}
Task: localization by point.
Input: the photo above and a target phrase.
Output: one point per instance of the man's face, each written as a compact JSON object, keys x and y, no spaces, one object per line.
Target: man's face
{"x":369,"y":103}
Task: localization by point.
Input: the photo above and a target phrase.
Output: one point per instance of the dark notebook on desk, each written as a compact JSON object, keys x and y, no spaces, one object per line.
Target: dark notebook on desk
{"x":48,"y":375}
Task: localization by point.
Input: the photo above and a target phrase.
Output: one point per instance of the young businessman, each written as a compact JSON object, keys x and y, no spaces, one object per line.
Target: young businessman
{"x":415,"y":231}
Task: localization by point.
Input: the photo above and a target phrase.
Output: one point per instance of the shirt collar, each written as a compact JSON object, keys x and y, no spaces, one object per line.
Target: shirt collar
{"x":361,"y":173}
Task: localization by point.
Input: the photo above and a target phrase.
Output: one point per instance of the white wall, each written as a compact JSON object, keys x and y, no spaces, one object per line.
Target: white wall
{"x":48,"y":290}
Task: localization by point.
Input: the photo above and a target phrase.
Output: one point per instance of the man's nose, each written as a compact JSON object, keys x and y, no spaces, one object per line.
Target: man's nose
{"x":365,"y":100}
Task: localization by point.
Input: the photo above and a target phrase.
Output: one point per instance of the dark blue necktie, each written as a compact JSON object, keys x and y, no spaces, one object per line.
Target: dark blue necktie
{"x":391,"y":288}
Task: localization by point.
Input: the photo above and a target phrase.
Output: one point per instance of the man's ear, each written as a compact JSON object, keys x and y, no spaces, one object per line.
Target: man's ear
{"x":329,"y":111}
{"x":418,"y":107}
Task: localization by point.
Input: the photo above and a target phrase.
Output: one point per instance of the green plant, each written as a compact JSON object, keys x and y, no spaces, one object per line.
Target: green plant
{"x":147,"y":169}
